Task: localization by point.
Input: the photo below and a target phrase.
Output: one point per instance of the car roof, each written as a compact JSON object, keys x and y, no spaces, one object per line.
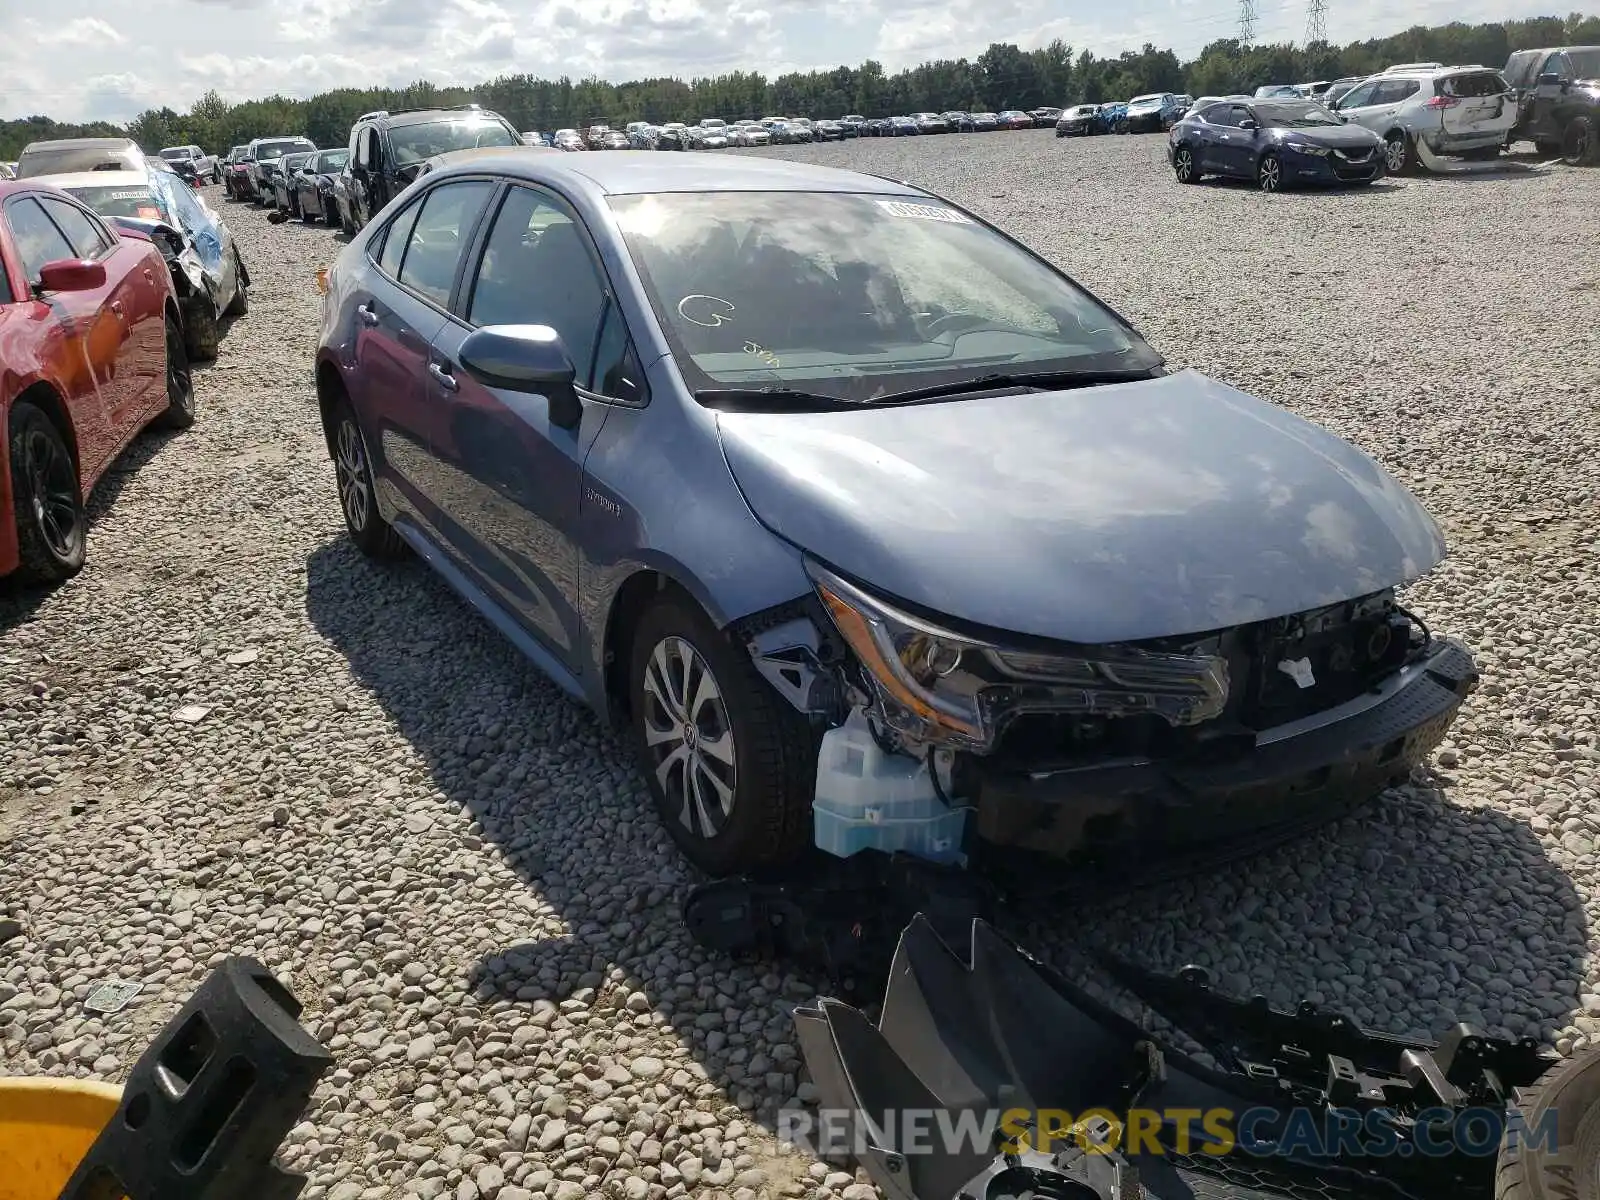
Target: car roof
{"x":140,"y":177}
{"x":622,"y":175}
{"x":121,"y":143}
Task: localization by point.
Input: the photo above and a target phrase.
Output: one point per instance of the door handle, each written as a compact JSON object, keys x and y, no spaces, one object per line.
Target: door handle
{"x":365,"y":315}
{"x":443,"y":377}
{"x":116,"y":307}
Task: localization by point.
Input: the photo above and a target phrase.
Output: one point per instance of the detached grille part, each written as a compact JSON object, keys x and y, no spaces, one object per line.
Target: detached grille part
{"x":1003,"y":1059}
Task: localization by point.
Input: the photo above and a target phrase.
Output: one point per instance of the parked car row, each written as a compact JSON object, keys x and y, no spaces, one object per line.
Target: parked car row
{"x":1156,"y":112}
{"x":1395,"y":121}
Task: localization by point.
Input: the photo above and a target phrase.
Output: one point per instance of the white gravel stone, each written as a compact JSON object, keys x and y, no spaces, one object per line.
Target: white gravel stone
{"x":458,"y":871}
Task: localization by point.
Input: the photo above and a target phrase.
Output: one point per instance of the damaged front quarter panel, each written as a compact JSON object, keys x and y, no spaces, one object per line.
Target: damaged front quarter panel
{"x":991,"y":1076}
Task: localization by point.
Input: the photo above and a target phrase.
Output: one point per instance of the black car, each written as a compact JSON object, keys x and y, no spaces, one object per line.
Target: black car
{"x":1558,"y":101}
{"x":877,"y":127}
{"x":828,"y":131}
{"x":387,"y":149}
{"x":571,"y":141}
{"x":1154,"y":113}
{"x":314,"y":186}
{"x":985,"y":122}
{"x":286,"y":182}
{"x":957,"y":121}
{"x":1275,"y":143}
{"x":1081,"y":120}
{"x":1044,"y":118}
{"x":855,"y":125}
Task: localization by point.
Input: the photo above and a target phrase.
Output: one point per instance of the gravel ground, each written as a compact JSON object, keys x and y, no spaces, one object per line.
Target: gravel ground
{"x":457,"y":870}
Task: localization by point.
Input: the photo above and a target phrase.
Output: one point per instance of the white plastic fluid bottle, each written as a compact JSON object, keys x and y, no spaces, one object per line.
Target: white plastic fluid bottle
{"x":867,"y":799}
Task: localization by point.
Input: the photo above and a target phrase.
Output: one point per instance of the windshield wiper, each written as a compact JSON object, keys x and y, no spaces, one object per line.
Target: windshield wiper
{"x":780,"y":400}
{"x":1060,"y":380}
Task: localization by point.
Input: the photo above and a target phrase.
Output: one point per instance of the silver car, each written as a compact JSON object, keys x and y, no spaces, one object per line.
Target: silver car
{"x":1464,"y":111}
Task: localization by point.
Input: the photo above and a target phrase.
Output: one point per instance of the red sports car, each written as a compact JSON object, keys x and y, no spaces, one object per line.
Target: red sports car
{"x":91,"y":351}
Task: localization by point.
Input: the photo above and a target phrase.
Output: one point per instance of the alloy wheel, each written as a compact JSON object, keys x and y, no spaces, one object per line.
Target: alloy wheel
{"x":180,"y":382}
{"x":1394,"y":155}
{"x":1575,"y":146}
{"x":688,"y":737}
{"x":54,"y":488}
{"x":350,"y":465}
{"x":1183,"y":164}
{"x":1270,"y":174}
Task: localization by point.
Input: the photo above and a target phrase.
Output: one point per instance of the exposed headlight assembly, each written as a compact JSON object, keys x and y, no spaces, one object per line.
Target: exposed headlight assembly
{"x":1308,"y":148}
{"x":938,"y":686}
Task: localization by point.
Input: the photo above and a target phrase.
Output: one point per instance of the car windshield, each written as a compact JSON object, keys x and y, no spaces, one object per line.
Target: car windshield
{"x":123,"y":201}
{"x":278,"y":149}
{"x":1144,"y":101}
{"x":292,"y":162}
{"x":332,"y":160}
{"x":854,"y":296}
{"x":1585,"y":62}
{"x":1304,"y":115}
{"x":413,"y":143}
{"x":64,"y":160}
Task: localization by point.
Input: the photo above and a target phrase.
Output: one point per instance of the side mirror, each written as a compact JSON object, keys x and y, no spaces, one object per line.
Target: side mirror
{"x":525,"y":358}
{"x":1247,"y":123}
{"x":1549,"y":79}
{"x":72,"y":275}
{"x":409,"y":172}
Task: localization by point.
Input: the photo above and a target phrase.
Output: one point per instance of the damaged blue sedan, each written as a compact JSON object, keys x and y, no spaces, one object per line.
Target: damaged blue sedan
{"x":872,"y":528}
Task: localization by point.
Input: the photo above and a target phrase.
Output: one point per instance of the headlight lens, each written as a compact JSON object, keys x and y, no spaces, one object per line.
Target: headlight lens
{"x":941,"y":686}
{"x":1308,"y":148}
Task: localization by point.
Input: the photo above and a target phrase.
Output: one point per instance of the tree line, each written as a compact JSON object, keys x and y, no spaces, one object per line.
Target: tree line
{"x":1003,"y":76}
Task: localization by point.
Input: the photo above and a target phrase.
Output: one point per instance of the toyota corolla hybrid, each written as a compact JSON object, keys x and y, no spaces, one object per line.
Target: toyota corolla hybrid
{"x":741,"y":450}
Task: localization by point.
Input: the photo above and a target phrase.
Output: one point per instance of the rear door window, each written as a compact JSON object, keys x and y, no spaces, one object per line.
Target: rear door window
{"x":88,"y":237}
{"x":37,"y":238}
{"x":1474,"y":86}
{"x":439,"y":237}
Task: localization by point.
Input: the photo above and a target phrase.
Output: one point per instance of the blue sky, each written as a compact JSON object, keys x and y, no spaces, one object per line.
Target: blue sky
{"x":104,"y":59}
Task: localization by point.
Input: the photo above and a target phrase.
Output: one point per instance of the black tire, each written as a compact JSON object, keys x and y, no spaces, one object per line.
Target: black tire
{"x":179,"y":413}
{"x":774,"y":753}
{"x":1183,"y":164}
{"x":1580,"y":143}
{"x":1528,"y":1169}
{"x":240,"y":304}
{"x":1399,"y":154}
{"x":1269,"y":173}
{"x":52,"y":531}
{"x":202,"y":333}
{"x":358,"y":493}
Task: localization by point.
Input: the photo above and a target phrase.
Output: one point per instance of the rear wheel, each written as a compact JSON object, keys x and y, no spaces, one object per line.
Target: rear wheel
{"x":51,"y":527}
{"x":179,"y":413}
{"x":1548,"y":149}
{"x":1183,"y":165}
{"x":1579,"y":145}
{"x":731,"y":767}
{"x":358,"y":497}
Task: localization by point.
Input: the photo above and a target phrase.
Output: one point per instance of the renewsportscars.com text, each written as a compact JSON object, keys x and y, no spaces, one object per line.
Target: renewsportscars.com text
{"x":1440,"y":1132}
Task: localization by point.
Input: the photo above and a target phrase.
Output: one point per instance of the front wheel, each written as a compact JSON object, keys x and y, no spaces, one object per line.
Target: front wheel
{"x":1183,"y":165}
{"x":731,"y":767}
{"x":1580,"y":147}
{"x":1269,"y":173}
{"x":1399,"y":155}
{"x":1566,"y":1101}
{"x":48,"y":505}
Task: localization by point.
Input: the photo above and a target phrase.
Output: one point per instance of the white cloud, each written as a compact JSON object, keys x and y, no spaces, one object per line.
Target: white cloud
{"x":104,"y":65}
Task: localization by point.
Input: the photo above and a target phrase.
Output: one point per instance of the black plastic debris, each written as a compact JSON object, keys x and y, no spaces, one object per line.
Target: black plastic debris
{"x":997,"y":1045}
{"x":209,"y":1103}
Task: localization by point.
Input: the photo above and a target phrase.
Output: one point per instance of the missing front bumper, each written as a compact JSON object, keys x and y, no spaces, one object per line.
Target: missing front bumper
{"x":1294,"y":778}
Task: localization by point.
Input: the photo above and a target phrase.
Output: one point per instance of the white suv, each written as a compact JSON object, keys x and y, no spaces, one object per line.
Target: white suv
{"x":1463,"y":111}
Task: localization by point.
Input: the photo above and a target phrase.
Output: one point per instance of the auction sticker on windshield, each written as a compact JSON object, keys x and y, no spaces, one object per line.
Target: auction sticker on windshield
{"x":924,"y":212}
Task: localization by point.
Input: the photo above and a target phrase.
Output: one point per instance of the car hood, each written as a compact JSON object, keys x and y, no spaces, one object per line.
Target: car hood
{"x":1341,"y":137}
{"x":1167,"y":506}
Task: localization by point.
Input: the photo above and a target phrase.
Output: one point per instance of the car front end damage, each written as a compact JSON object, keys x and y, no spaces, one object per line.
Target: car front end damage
{"x":990,"y":1075}
{"x":1173,"y":747}
{"x":196,"y":266}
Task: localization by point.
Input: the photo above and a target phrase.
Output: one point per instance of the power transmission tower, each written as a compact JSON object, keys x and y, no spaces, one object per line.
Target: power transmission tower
{"x":1317,"y":22}
{"x":1247,"y":22}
